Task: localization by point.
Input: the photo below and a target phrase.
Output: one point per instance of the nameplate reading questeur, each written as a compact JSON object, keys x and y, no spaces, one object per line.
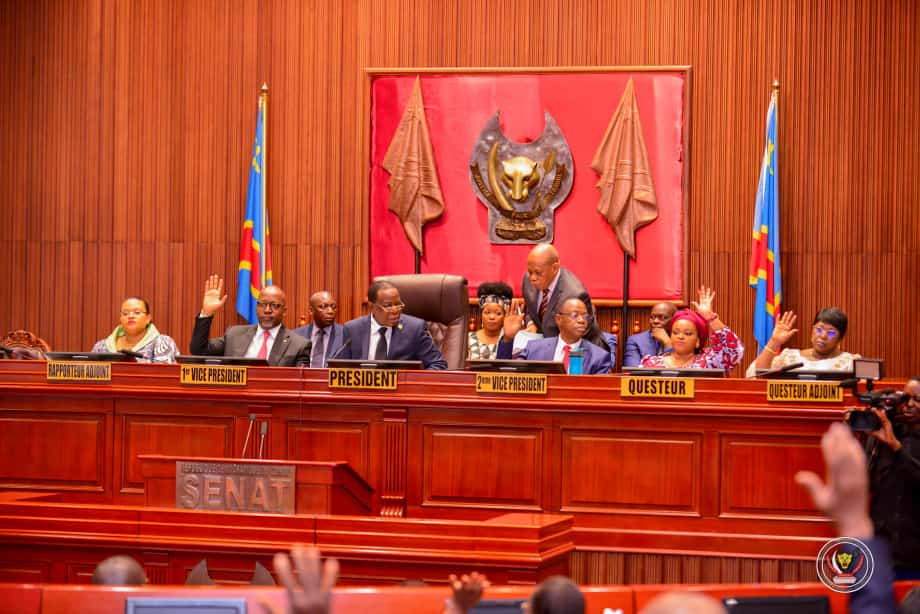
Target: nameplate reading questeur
{"x":657,"y":387}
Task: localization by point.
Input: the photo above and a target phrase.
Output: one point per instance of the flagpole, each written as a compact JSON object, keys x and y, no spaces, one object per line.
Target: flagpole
{"x":263,"y":253}
{"x":418,"y":262}
{"x":625,"y":299}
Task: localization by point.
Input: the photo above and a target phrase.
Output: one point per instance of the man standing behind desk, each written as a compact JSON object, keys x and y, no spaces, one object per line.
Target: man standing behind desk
{"x":268,"y":339}
{"x":545,"y":285}
{"x":651,"y":342}
{"x":389,"y":334}
{"x":324,"y":333}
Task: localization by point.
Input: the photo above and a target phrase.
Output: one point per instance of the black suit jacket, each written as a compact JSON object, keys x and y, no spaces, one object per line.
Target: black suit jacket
{"x":337,"y":337}
{"x":289,"y":350}
{"x":568,"y":286}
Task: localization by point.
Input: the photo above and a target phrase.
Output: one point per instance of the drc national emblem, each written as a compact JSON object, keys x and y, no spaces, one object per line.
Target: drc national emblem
{"x":521,"y":183}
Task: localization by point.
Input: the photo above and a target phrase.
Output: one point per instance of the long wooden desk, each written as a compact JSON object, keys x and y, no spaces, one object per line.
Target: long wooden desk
{"x":661,"y":490}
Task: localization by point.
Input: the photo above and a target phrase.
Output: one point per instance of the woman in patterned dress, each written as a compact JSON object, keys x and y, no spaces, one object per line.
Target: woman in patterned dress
{"x":494,"y":302}
{"x":690,"y":330}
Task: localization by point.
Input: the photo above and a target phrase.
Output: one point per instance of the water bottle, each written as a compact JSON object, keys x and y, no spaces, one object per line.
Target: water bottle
{"x":575,"y":360}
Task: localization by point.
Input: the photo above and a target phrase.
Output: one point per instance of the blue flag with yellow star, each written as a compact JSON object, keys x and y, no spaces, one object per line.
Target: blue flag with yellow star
{"x":255,"y":256}
{"x":765,"y":275}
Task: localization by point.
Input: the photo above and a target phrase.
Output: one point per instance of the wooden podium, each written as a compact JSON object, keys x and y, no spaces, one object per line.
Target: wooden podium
{"x":318,"y":487}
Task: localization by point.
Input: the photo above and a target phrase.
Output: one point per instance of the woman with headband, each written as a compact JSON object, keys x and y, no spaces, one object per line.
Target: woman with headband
{"x":494,"y":302}
{"x":690,"y":330}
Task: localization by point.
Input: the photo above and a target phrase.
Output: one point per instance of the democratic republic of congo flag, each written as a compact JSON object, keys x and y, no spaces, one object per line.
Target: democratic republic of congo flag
{"x":255,"y":255}
{"x":765,"y":271}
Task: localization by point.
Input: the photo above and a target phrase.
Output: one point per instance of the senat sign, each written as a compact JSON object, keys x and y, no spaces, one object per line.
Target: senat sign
{"x":235,"y":487}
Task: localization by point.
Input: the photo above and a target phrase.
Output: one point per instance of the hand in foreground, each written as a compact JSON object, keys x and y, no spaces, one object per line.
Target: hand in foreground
{"x":704,"y":305}
{"x":213,"y":301}
{"x":783,"y":331}
{"x":310,"y":591}
{"x":845,"y":497}
{"x":467,"y":591}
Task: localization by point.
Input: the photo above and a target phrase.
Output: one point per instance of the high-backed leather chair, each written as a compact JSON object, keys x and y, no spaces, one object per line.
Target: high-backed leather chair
{"x":442,"y":301}
{"x":25,"y":344}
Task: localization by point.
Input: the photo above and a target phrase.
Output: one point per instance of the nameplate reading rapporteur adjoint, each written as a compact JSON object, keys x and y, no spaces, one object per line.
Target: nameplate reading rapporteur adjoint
{"x":76,"y":371}
{"x":364,"y":379}
{"x":212,"y":375}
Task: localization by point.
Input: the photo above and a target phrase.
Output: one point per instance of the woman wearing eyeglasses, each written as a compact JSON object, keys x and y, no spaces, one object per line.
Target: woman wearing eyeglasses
{"x":137,"y":333}
{"x":827,"y":331}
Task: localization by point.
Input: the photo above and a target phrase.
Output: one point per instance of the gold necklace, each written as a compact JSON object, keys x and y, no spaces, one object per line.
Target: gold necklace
{"x":682,"y":364}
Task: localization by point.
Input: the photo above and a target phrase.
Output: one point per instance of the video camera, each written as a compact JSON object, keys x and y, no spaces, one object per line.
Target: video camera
{"x":886,"y":400}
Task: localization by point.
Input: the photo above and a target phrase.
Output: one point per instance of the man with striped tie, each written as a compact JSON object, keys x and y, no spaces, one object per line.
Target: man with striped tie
{"x":545,"y":284}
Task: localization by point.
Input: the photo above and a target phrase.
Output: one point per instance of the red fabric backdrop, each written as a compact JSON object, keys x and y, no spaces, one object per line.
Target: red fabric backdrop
{"x":457,"y":107}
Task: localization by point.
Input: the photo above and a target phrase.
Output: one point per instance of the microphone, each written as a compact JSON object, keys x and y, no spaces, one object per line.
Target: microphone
{"x":339,"y":351}
{"x":263,"y":427}
{"x":252,"y":420}
{"x":132,"y":354}
{"x":794,"y":365}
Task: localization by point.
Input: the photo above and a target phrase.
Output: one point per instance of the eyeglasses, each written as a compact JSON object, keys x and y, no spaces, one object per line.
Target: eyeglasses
{"x":392,"y":308}
{"x":575,"y":316}
{"x":135,"y":313}
{"x":830,"y":332}
{"x":267,"y":305}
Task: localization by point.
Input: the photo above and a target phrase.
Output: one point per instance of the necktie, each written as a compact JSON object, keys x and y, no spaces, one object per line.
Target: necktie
{"x":381,"y":353}
{"x":319,"y":349}
{"x":263,"y":351}
{"x":543,"y":302}
{"x":565,"y":356}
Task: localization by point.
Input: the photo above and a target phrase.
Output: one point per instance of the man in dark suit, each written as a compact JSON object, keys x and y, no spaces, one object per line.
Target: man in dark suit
{"x":651,"y":342}
{"x":324,"y":333}
{"x":268,"y":339}
{"x":544,"y":286}
{"x":572,"y":321}
{"x":389,"y":334}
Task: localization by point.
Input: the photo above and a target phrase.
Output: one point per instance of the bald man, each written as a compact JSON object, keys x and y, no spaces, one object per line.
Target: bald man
{"x":326,"y":335}
{"x":269,"y":339}
{"x":545,"y":284}
{"x":677,"y":602}
{"x":119,"y":571}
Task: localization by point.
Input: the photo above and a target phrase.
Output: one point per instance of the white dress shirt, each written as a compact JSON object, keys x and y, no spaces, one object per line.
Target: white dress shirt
{"x":256,"y":344}
{"x":375,"y":337}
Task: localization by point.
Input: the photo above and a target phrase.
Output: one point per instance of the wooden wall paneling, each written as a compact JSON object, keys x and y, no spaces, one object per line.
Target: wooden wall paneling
{"x":600,"y":471}
{"x":133,"y":123}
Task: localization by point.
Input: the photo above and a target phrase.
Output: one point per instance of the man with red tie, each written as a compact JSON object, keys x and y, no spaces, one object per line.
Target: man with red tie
{"x":546,"y":283}
{"x":269,"y":339}
{"x":571,"y":319}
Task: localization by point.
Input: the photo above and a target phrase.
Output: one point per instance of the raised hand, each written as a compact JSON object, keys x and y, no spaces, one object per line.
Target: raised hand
{"x":514,"y":319}
{"x":310,"y":591}
{"x":214,"y":297}
{"x":704,"y":305}
{"x":467,"y":591}
{"x":845,"y":496}
{"x":783,"y":330}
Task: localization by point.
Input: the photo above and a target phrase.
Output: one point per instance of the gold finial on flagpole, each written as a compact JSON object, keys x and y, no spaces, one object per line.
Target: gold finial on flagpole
{"x":775,"y":85}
